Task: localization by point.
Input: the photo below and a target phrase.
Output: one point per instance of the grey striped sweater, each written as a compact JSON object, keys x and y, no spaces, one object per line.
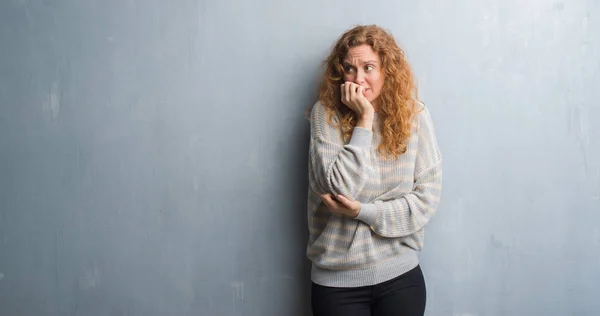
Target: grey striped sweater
{"x":399,"y":197}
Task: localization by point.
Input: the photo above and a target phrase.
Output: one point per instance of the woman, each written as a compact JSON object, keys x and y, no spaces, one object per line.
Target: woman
{"x":375,"y":173}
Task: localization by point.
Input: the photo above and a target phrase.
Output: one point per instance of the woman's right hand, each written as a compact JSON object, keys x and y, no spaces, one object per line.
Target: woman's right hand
{"x":353,"y":98}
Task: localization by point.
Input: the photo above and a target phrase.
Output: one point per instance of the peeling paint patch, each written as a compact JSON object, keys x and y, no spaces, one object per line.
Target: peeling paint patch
{"x":238,"y":292}
{"x":90,"y":279}
{"x":52,"y":102}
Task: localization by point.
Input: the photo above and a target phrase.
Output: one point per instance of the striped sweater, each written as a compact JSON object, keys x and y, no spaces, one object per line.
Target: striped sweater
{"x":399,"y":196}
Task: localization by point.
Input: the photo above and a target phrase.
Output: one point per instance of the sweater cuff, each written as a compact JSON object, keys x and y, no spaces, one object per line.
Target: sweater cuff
{"x":361,"y":137}
{"x":368,"y":213}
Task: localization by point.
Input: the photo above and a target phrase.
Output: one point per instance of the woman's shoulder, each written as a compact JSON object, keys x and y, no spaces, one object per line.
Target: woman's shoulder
{"x":320,"y":112}
{"x":423,"y":119}
{"x":421,"y":113}
{"x":319,"y":108}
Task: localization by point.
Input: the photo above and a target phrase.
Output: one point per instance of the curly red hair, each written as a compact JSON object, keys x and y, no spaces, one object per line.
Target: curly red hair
{"x":398,"y":98}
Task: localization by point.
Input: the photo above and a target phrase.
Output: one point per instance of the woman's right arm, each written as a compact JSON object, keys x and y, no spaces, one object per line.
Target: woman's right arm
{"x":339,"y":168}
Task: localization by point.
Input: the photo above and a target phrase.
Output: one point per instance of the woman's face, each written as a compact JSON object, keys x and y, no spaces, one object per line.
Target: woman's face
{"x":363,"y":67}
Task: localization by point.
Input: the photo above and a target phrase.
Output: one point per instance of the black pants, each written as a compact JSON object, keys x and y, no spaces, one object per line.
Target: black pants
{"x":404,"y":295}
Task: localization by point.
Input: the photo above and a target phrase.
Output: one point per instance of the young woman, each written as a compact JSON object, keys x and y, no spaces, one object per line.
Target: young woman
{"x":375,"y":175}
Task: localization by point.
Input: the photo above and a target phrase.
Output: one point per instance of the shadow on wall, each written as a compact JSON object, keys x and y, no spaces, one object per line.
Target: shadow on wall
{"x":299,"y":228}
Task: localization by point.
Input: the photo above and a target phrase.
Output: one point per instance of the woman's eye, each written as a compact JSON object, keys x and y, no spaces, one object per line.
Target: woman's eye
{"x":348,"y":69}
{"x":369,"y":67}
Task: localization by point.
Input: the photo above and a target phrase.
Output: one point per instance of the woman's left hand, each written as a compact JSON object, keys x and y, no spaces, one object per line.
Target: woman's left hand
{"x":341,"y":205}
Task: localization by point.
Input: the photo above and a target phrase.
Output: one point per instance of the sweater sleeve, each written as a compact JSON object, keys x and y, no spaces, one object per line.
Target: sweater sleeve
{"x":335,"y":167}
{"x":410,"y":213}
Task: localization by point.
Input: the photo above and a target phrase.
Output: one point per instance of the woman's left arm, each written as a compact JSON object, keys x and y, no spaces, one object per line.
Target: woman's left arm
{"x":409,"y":213}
